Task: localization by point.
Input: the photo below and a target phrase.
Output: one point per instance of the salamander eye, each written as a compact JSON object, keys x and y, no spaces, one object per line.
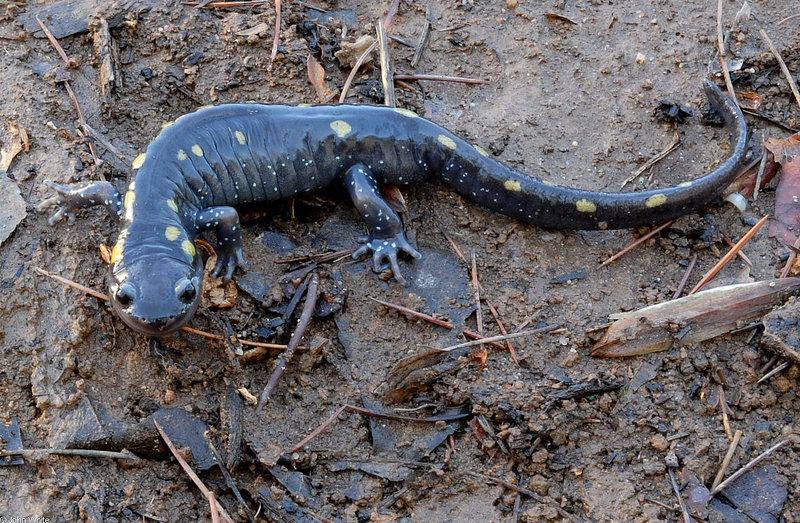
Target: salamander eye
{"x":185,"y":290}
{"x":125,"y":295}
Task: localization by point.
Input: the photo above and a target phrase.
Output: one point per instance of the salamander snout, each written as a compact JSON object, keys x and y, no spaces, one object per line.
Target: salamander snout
{"x":158,"y":304}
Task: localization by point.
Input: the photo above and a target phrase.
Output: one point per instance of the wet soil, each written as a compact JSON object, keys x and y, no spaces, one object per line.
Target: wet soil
{"x":571,"y":97}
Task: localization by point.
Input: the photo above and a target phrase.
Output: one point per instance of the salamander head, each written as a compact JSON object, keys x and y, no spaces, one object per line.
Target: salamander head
{"x":157,"y":296}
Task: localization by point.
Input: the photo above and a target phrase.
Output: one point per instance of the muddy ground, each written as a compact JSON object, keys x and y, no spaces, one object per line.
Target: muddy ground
{"x":571,"y":97}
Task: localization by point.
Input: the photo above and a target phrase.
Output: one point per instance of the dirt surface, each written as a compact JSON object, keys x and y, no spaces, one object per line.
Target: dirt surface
{"x":571,"y":97}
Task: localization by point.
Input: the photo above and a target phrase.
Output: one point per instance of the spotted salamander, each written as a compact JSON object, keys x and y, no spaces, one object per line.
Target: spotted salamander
{"x":194,"y":174}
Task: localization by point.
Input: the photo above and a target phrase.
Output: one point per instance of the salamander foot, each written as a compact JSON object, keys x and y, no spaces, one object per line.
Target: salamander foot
{"x":388,"y":248}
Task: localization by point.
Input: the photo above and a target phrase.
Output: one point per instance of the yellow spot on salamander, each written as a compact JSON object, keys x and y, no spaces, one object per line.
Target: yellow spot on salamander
{"x":656,"y":200}
{"x":172,"y":233}
{"x":447,"y":142}
{"x":240,"y":137}
{"x":166,"y":124}
{"x":188,"y":248}
{"x":481,"y":150}
{"x":130,"y":197}
{"x":303,"y":105}
{"x":172,"y":205}
{"x":406,"y":112}
{"x":197,"y":150}
{"x":584,"y":205}
{"x":512,"y":185}
{"x":685,"y":184}
{"x":116,"y":252}
{"x":138,"y":161}
{"x":208,"y":106}
{"x":341,"y":128}
{"x":181,"y":154}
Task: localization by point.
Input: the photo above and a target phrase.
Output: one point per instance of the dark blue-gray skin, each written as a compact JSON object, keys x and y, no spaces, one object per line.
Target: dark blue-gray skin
{"x":206,"y":163}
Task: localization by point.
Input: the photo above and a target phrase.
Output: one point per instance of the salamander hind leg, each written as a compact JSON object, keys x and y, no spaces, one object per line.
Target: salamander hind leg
{"x":387,"y":238}
{"x":225,"y":221}
{"x":72,"y":199}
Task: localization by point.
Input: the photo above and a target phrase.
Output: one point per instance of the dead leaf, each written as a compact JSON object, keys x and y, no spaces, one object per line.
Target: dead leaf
{"x":749,"y":100}
{"x":394,"y":197}
{"x":784,"y":150}
{"x":786,"y":224}
{"x":216,"y":294}
{"x":12,"y":209}
{"x":16,"y":141}
{"x":257,"y":29}
{"x":693,"y":318}
{"x":350,"y":52}
{"x":316,"y":75}
{"x":105,"y":253}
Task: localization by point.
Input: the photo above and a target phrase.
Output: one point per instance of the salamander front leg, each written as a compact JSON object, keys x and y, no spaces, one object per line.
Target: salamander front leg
{"x":225,"y":221}
{"x":72,"y":199}
{"x":387,"y":238}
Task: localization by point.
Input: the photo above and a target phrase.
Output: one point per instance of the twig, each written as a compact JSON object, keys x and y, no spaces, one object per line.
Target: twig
{"x":229,"y":479}
{"x":53,"y":42}
{"x":277,"y":33}
{"x":531,"y":494}
{"x":740,"y":254}
{"x":297,"y":335}
{"x":636,"y":243}
{"x":676,"y":142}
{"x":755,"y":461}
{"x":477,"y":287}
{"x":685,"y":279}
{"x":423,"y":39}
{"x":502,"y":328}
{"x":790,"y":260}
{"x":727,"y":460}
{"x":782,"y":64}
{"x":787,"y":19}
{"x":408,"y":419}
{"x":662,"y":505}
{"x":185,"y":328}
{"x":722,"y":62}
{"x":729,"y":255}
{"x":723,"y":405}
{"x":439,"y":78}
{"x":70,"y":283}
{"x":452,"y":244}
{"x":67,"y":85}
{"x":319,"y":258}
{"x":315,"y":432}
{"x":105,"y":143}
{"x":375,"y":414}
{"x":501,"y":337}
{"x":361,"y":59}
{"x":412,"y":312}
{"x":771,"y":119}
{"x":215,"y":507}
{"x":225,"y":5}
{"x":773,"y":372}
{"x":354,"y":71}
{"x":436,"y":321}
{"x":687,"y":518}
{"x":762,"y":165}
{"x":86,"y":453}
{"x":387,"y":73}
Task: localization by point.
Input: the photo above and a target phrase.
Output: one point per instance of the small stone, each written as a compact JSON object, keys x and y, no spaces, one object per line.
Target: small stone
{"x":540,"y":456}
{"x":640,"y":59}
{"x":653,"y":467}
{"x":659,"y":442}
{"x":671,"y":460}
